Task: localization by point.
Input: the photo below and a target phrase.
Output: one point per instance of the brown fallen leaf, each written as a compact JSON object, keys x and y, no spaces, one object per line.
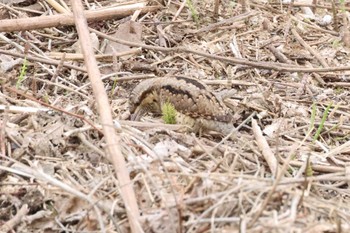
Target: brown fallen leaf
{"x":130,"y":31}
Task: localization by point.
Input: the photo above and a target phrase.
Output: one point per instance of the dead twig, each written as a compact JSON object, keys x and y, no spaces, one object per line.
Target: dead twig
{"x":113,"y":148}
{"x":52,"y":107}
{"x":308,"y":47}
{"x":251,"y":64}
{"x":10,"y":25}
{"x":265,"y":149}
{"x":42,"y":60}
{"x":103,"y":57}
{"x":276,"y":182}
{"x":9,"y":225}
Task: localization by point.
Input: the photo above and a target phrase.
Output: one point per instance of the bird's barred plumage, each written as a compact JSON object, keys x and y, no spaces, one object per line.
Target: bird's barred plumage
{"x":195,"y":104}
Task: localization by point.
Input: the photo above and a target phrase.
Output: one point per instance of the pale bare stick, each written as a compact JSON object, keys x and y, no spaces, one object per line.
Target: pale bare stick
{"x":58,"y":7}
{"x":265,"y":149}
{"x":230,"y":60}
{"x":113,"y":148}
{"x":105,"y":57}
{"x":277,"y":181}
{"x":309,"y":48}
{"x":24,"y":24}
{"x":19,"y":109}
{"x":10,"y":224}
{"x":42,"y":60}
{"x":179,"y":10}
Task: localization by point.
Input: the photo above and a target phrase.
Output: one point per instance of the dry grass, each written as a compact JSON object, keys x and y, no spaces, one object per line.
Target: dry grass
{"x":267,"y":60}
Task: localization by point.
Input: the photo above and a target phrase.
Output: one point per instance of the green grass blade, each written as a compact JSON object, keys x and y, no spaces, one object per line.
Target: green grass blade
{"x":323,"y":120}
{"x":169,"y":113}
{"x":23,"y":73}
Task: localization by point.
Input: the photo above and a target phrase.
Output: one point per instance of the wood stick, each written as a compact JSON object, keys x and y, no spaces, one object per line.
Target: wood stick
{"x":9,"y":25}
{"x":113,"y":141}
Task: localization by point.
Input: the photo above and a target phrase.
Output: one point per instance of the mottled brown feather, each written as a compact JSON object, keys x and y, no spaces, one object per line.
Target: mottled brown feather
{"x":190,"y":97}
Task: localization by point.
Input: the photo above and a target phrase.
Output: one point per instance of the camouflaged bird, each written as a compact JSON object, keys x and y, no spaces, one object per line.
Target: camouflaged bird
{"x":196,"y":106}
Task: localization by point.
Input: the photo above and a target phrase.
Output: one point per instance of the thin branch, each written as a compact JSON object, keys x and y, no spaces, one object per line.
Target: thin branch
{"x":250,"y":64}
{"x":113,"y":148}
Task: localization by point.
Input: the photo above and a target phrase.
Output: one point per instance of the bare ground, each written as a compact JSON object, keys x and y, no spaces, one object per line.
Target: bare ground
{"x":286,"y":171}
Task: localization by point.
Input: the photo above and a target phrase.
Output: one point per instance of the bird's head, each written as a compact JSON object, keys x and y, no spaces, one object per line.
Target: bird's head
{"x":144,"y":98}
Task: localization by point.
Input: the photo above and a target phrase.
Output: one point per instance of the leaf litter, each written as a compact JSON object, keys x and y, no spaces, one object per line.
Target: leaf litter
{"x":55,"y":178}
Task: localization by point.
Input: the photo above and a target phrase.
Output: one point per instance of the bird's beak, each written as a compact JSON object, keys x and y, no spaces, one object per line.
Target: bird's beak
{"x":136,"y":116}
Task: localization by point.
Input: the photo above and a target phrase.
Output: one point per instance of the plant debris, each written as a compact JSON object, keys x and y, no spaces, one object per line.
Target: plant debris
{"x":283,"y":68}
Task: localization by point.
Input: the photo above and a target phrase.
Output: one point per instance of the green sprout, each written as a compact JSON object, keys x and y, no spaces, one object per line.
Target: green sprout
{"x":308,"y":171}
{"x":313,"y":116}
{"x":115,"y":82}
{"x":46,"y":98}
{"x":194,"y":13}
{"x":168,"y":113}
{"x":323,"y":120}
{"x":23,"y":73}
{"x":336,"y":43}
{"x":342,"y":6}
{"x":339,"y":90}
